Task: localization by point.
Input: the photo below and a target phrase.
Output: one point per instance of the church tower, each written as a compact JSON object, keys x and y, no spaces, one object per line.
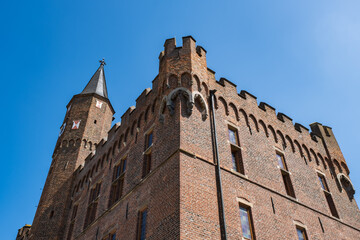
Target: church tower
{"x":87,"y":120}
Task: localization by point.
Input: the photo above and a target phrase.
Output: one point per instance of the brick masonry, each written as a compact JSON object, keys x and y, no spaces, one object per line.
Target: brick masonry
{"x":180,"y":192}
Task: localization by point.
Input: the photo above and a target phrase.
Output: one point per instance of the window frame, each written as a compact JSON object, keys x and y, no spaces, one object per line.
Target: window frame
{"x":323,"y":182}
{"x":250,"y":220}
{"x":235,"y":150}
{"x":237,"y":160}
{"x":118,"y":179}
{"x":283,"y":161}
{"x":92,"y":204}
{"x":236,"y":135}
{"x":147,"y":159}
{"x":285,"y":174}
{"x":303,"y":232}
{"x":328,"y":195}
{"x":140,"y":224}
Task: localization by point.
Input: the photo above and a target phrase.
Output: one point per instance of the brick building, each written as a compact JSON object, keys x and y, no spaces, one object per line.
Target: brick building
{"x":156,"y":175}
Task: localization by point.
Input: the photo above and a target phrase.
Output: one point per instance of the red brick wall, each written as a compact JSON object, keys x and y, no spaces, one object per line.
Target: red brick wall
{"x":180,"y":191}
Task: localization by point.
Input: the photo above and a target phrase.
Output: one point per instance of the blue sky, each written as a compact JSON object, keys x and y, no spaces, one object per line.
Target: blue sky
{"x":301,"y":57}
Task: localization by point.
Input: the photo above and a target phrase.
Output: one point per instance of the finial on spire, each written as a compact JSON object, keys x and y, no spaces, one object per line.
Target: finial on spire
{"x":102,"y":62}
{"x":97,"y":83}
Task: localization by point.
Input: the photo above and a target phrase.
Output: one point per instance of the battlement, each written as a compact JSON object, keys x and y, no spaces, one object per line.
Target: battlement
{"x":246,"y":105}
{"x":229,"y":89}
{"x":188,"y":46}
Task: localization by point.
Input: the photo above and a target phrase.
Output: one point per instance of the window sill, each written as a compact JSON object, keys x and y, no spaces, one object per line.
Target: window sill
{"x":284,"y":170}
{"x":148,"y":150}
{"x":238,"y":173}
{"x":235,"y":146}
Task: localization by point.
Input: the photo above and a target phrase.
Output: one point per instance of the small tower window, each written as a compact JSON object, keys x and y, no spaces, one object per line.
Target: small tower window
{"x":51,"y":214}
{"x":94,"y":121}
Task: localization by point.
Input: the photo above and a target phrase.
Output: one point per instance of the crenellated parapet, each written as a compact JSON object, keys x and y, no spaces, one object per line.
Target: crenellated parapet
{"x":255,"y":116}
{"x":183,"y":73}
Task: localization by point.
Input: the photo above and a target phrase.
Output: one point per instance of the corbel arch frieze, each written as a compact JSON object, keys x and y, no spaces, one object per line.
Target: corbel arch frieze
{"x":169,"y":102}
{"x":204,"y":107}
{"x":346,"y":184}
{"x":172,"y":96}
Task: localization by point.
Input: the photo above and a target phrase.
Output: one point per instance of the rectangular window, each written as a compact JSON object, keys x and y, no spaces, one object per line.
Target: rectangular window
{"x":331,"y":204}
{"x":146,"y":164}
{"x":246,"y":222}
{"x":301,"y":232}
{"x":236,"y":157}
{"x":147,"y":155}
{"x":281,"y":161}
{"x":149,"y":138}
{"x":233,"y":136}
{"x":285,"y":175}
{"x":288,"y":185}
{"x":93,"y":202}
{"x":323,"y":182}
{"x":117,"y":182}
{"x":141,"y":234}
{"x":237,"y":160}
{"x":328,"y":196}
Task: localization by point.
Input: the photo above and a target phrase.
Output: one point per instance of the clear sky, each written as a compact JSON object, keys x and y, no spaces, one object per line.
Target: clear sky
{"x":301,"y":57}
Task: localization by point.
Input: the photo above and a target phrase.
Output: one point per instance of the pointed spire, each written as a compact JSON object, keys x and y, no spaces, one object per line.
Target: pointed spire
{"x":97,"y":83}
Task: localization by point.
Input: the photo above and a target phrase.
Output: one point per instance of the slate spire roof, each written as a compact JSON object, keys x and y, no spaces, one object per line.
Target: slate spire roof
{"x":97,"y":83}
